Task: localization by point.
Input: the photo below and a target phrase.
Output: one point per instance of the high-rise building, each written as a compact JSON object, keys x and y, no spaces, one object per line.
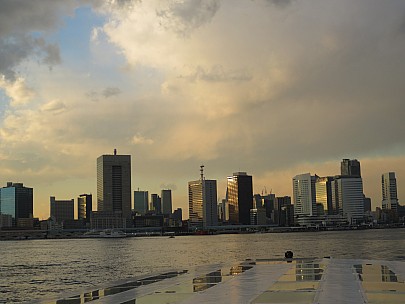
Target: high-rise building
{"x":114,"y":184}
{"x":166,"y":196}
{"x":178,"y":214}
{"x":323,"y":194}
{"x":202,"y":202}
{"x":62,"y":210}
{"x":223,"y":211}
{"x":278,"y":215}
{"x":240,"y":198}
{"x":17,"y":201}
{"x":350,"y":167}
{"x":389,"y":191}
{"x":304,"y":195}
{"x":347,"y":197}
{"x":84,"y":206}
{"x":156,"y":203}
{"x":141,"y":201}
{"x":366,"y":203}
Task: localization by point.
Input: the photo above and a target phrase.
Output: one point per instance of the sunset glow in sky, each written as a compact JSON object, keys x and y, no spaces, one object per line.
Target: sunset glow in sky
{"x":275,"y":88}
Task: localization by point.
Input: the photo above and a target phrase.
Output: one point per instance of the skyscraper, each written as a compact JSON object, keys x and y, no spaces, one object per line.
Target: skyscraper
{"x":202,"y":202}
{"x":114,"y":184}
{"x":347,"y":197}
{"x":389,"y":191}
{"x":166,"y":196}
{"x":350,"y":167}
{"x":84,"y":206}
{"x":17,"y":201}
{"x":141,"y":201}
{"x":304,"y":195}
{"x":324,"y":194}
{"x":240,"y":198}
{"x":156,"y":203}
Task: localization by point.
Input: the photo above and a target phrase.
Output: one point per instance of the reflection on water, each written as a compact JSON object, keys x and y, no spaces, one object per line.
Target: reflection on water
{"x":44,"y":268}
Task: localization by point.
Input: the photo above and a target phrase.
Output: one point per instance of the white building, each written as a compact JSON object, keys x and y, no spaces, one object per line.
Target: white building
{"x":347,"y":196}
{"x":389,"y":191}
{"x":304,"y":195}
{"x":202,"y":202}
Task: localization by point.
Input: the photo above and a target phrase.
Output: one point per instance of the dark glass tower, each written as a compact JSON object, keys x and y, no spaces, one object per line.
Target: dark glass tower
{"x":350,"y":167}
{"x":17,"y":201}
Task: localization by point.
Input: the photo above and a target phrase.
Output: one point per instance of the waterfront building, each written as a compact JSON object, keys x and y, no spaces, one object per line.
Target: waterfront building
{"x":240,"y":198}
{"x":304,"y":195}
{"x":17,"y":201}
{"x":166,"y":196}
{"x":282,"y":211}
{"x":347,"y":197}
{"x":323,"y":194}
{"x":84,"y":207}
{"x":141,"y":201}
{"x":202,"y":202}
{"x":114,"y":184}
{"x":156,"y":203}
{"x":107,"y":220}
{"x":389,"y":192}
{"x":350,"y":167}
{"x":178,"y":214}
{"x":258,"y":216}
{"x":62,"y":210}
{"x":6,"y":220}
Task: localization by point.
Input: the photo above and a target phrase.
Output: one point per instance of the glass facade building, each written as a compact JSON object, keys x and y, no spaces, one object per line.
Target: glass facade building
{"x":240,"y":198}
{"x":17,"y":201}
{"x":84,"y":206}
{"x":141,"y":201}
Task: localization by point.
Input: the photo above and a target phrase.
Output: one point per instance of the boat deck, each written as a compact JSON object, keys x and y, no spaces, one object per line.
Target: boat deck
{"x":257,"y":281}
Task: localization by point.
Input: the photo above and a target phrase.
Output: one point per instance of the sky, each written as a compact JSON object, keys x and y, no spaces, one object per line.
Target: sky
{"x":271,"y":87}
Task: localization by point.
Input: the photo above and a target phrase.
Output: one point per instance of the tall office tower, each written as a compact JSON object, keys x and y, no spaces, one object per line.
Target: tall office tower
{"x":282,"y":204}
{"x":114,"y":184}
{"x":62,"y":209}
{"x":84,"y":206}
{"x":17,"y":201}
{"x":141,"y":201}
{"x":323,"y":194}
{"x":156,"y":203}
{"x":240,"y":198}
{"x":304,"y":195}
{"x":202,"y":201}
{"x":350,"y":167}
{"x":389,"y":191}
{"x":347,"y":197}
{"x":166,"y":196}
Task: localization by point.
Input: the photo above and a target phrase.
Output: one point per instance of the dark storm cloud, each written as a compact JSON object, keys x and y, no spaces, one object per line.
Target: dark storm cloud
{"x":18,"y":20}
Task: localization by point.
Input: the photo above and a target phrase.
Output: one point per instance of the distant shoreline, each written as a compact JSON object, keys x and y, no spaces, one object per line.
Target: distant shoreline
{"x":21,"y":235}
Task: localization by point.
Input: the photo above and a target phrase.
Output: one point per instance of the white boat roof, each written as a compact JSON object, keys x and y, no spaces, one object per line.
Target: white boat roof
{"x":324,"y":280}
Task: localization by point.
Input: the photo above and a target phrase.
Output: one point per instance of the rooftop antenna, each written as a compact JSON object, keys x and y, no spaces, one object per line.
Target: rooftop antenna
{"x":115,"y":151}
{"x":202,"y":172}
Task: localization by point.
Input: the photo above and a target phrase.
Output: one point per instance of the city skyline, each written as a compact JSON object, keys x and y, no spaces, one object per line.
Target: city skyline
{"x":273,"y":88}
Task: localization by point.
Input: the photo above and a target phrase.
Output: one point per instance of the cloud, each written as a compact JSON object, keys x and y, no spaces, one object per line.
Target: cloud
{"x":183,"y":17}
{"x":54,"y":106}
{"x":17,"y":91}
{"x":140,"y":140}
{"x":111,"y":91}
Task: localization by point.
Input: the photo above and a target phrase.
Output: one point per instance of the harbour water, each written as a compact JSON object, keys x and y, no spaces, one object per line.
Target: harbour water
{"x":37,"y":269}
